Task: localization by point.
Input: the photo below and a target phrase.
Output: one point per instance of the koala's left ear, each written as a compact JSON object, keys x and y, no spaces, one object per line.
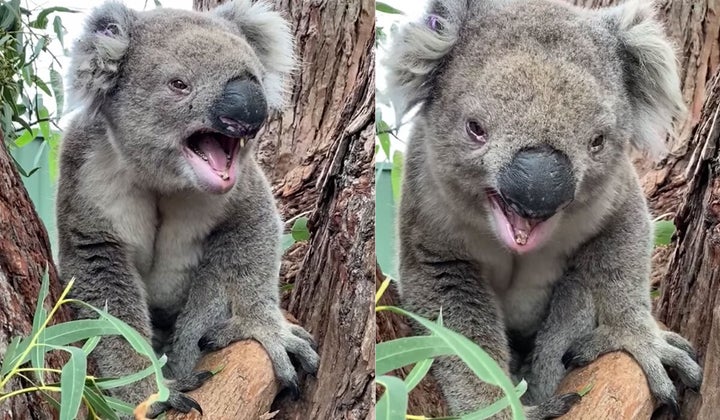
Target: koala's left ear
{"x":268,"y":33}
{"x":650,"y":71}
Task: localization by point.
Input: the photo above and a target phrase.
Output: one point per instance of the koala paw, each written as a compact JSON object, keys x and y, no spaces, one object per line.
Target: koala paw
{"x":281,"y":340}
{"x":553,"y":407}
{"x":652,"y":349}
{"x":177,"y":399}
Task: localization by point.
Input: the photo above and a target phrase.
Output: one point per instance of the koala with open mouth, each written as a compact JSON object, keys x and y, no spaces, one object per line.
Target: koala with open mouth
{"x":164,"y":217}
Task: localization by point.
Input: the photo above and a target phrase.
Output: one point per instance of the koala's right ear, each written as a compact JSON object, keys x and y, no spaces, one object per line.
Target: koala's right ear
{"x":98,"y":55}
{"x":418,"y":51}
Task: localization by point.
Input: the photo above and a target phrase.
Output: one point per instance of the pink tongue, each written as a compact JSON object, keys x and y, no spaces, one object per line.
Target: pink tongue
{"x":216,"y":155}
{"x":521,"y":227}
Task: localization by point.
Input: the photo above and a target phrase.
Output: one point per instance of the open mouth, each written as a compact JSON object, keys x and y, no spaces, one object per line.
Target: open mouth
{"x":519,"y":233}
{"x":213,"y":156}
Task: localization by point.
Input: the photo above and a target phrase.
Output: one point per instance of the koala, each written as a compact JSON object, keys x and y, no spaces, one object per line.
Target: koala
{"x":164,"y":216}
{"x":521,"y":216}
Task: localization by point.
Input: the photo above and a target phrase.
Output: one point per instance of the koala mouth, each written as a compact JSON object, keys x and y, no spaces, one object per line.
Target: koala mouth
{"x":520,"y":234}
{"x":213,"y":157}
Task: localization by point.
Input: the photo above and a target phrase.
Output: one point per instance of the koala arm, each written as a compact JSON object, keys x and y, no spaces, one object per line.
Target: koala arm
{"x":104,"y":275}
{"x":432,"y":281}
{"x":235,"y":293}
{"x":614,"y":267}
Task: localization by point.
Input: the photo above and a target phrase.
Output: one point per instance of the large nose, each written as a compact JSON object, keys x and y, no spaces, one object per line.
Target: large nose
{"x":241,"y":109}
{"x":537,"y":182}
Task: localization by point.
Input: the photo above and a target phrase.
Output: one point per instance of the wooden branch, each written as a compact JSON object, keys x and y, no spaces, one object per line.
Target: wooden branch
{"x":619,"y":390}
{"x":244,"y":388}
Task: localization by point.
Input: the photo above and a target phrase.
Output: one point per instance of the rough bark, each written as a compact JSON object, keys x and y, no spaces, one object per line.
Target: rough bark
{"x":318,"y":156}
{"x":24,"y":256}
{"x":691,"y":291}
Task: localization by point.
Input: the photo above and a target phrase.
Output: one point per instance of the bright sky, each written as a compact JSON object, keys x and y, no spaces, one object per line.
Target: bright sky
{"x":413,"y":10}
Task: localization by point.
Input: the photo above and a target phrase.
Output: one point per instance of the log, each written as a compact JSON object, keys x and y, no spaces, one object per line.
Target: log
{"x":618,"y":390}
{"x":244,"y":389}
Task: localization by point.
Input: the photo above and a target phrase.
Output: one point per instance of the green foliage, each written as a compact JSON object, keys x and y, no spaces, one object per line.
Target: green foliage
{"x":76,"y":387}
{"x":25,"y":37}
{"x":421,"y":351}
{"x":298,"y":233}
{"x":663,"y":232}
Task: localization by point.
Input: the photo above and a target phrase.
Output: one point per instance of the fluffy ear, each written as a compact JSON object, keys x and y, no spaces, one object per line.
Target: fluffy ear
{"x":418,"y":51}
{"x":269,"y":35}
{"x":651,"y":73}
{"x":98,"y":55}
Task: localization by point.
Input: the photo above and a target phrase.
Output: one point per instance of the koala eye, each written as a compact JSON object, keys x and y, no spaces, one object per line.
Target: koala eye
{"x":476,"y":132}
{"x":597,"y":143}
{"x":179,"y":85}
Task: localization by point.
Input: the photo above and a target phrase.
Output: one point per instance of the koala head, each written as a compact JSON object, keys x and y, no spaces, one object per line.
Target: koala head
{"x":528,"y":108}
{"x":182,"y":92}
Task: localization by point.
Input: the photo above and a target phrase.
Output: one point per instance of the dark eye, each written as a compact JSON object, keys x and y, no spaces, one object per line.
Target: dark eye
{"x":597,"y":143}
{"x":476,"y":132}
{"x":178,"y":85}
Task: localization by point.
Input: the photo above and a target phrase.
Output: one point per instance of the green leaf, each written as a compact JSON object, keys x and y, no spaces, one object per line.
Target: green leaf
{"x":91,"y":343}
{"x":42,"y":19}
{"x":41,"y":84}
{"x":138,"y":343}
{"x":498,"y":406}
{"x":417,"y":373}
{"x":394,"y":354}
{"x":25,"y":138}
{"x":119,"y":406}
{"x":386,"y":8}
{"x":44,"y":123}
{"x":56,"y":82}
{"x":59,"y":30}
{"x":72,"y":383}
{"x":664,"y":230}
{"x":396,"y":175}
{"x":287,"y":241}
{"x":109,"y":383}
{"x":10,"y":353}
{"x":300,"y":230}
{"x":383,"y":136}
{"x":393,"y":403}
{"x":39,"y":47}
{"x":37,"y":354}
{"x":583,"y":392}
{"x":473,"y":356}
{"x":97,"y":401}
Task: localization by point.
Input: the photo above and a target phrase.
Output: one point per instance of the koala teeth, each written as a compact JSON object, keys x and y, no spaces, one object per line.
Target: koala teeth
{"x":242,"y":143}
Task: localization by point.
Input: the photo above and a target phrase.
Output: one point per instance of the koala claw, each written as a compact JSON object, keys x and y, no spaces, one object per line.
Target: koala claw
{"x":280,"y":340}
{"x":654,"y":351}
{"x":553,"y":407}
{"x":177,"y":401}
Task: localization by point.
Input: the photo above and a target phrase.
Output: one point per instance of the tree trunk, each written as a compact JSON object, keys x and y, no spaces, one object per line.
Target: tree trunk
{"x":690,"y":300}
{"x":318,"y":157}
{"x":24,"y":257}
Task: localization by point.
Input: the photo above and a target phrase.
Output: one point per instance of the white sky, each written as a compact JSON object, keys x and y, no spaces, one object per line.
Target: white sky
{"x":413,"y":10}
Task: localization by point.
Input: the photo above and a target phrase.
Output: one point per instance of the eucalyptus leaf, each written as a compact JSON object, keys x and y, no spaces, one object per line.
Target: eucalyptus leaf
{"x":394,"y":354}
{"x":72,"y":383}
{"x":393,"y":403}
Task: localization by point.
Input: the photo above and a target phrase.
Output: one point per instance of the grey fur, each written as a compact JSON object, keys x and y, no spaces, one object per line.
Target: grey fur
{"x":138,"y":230}
{"x":535,"y":73}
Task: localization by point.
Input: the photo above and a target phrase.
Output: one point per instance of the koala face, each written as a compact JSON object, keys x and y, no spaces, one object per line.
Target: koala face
{"x":531,"y":110}
{"x":183,"y":92}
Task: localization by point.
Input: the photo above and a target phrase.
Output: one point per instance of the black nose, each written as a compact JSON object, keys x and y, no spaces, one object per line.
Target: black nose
{"x":241,"y":109}
{"x":537,"y":182}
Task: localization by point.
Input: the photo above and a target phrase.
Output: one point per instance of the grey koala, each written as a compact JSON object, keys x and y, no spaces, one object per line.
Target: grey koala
{"x":163,"y":213}
{"x":522,"y":217}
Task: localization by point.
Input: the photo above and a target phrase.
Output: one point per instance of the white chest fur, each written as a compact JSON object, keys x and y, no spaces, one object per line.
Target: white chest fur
{"x":164,"y":234}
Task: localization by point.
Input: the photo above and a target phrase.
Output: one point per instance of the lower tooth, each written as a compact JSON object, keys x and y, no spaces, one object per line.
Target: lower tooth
{"x":242,"y":142}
